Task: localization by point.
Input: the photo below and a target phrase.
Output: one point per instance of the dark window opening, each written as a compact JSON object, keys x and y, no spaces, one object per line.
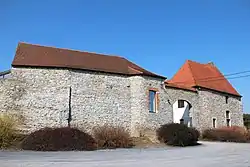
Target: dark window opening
{"x":226,"y":99}
{"x":228,"y":122}
{"x":214,"y":122}
{"x":227,"y":114}
{"x":181,"y":121}
{"x":180,"y":103}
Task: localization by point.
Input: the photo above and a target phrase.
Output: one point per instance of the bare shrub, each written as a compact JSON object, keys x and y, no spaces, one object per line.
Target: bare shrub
{"x":110,"y":137}
{"x":226,"y":134}
{"x":8,"y":129}
{"x":59,"y":139}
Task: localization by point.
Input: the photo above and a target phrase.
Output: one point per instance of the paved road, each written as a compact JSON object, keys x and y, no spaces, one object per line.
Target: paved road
{"x":207,"y":155}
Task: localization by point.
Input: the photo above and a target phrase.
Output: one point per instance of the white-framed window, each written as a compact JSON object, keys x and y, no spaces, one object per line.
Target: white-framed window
{"x":152,"y":101}
{"x":214,"y":122}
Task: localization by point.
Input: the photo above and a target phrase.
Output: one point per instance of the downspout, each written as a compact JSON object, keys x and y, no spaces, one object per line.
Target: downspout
{"x":69,"y":119}
{"x":69,"y":116}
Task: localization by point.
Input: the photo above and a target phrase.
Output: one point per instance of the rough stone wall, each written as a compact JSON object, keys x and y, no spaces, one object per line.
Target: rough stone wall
{"x":136,"y":108}
{"x":11,"y":91}
{"x":164,"y":114}
{"x":213,"y":105}
{"x":99,"y":98}
{"x":39,"y":95}
{"x":42,"y":97}
{"x":189,"y":96}
{"x":207,"y":105}
{"x":144,"y":122}
{"x":142,"y":119}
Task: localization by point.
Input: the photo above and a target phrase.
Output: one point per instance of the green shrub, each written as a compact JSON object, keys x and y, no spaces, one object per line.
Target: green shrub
{"x":109,"y":137}
{"x":59,"y":139}
{"x":178,"y":135}
{"x":226,"y":134}
{"x":8,"y":130}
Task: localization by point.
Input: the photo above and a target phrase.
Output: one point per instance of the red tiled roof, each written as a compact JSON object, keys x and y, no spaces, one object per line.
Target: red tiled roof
{"x":193,"y":74}
{"x":43,"y":56}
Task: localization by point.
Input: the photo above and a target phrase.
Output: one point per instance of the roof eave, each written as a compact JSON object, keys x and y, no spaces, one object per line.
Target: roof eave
{"x":93,"y":70}
{"x":150,"y":75}
{"x":237,"y":95}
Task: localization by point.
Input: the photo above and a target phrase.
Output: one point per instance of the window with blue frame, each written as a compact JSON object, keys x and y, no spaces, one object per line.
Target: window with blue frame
{"x":152,"y":101}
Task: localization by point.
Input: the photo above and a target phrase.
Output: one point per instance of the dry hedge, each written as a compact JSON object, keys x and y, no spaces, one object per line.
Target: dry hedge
{"x":59,"y":139}
{"x":227,"y":134}
{"x":109,"y":137}
{"x":8,"y":130}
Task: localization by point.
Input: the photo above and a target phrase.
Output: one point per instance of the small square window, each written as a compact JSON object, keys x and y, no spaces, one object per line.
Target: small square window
{"x":180,"y":103}
{"x":152,"y":101}
{"x":214,"y":122}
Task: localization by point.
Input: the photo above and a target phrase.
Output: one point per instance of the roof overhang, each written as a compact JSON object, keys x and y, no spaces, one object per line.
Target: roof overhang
{"x":218,"y":91}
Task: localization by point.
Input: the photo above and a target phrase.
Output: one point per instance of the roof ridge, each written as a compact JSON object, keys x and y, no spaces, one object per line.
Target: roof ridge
{"x":192,"y":61}
{"x":68,"y":49}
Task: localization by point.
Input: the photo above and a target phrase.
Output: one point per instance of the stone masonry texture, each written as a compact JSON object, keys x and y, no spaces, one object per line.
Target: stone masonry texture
{"x":42,"y":96}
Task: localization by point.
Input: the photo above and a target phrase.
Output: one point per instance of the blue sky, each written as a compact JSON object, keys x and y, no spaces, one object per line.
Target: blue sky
{"x":159,"y":35}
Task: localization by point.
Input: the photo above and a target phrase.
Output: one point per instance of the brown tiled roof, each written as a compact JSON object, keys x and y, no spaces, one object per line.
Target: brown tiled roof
{"x":193,"y":74}
{"x":43,"y":56}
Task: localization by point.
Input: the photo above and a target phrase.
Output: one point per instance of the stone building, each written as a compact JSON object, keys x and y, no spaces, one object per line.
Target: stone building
{"x":54,"y":87}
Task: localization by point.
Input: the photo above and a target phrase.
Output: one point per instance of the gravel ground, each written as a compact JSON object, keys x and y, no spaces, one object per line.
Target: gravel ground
{"x":207,"y":155}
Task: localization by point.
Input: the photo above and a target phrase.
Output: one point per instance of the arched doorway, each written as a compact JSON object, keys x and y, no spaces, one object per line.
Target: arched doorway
{"x":181,"y":112}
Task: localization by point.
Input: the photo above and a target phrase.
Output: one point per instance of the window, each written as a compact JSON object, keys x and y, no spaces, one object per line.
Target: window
{"x":227,"y":115}
{"x":180,"y":103}
{"x":181,"y":121}
{"x":152,"y":101}
{"x":226,"y":99}
{"x":228,"y":121}
{"x":214,"y":122}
